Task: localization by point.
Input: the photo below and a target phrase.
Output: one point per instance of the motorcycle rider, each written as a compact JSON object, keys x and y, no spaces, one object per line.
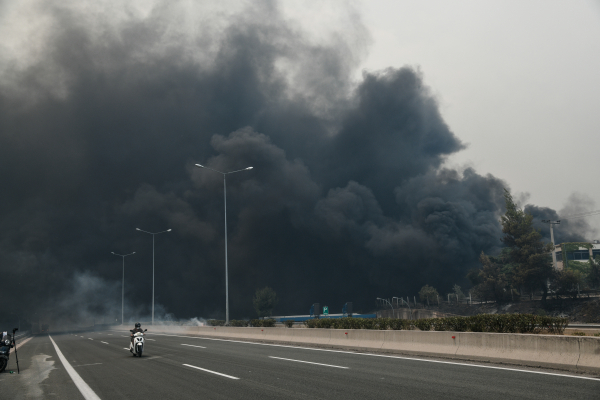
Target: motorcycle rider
{"x":138,"y":328}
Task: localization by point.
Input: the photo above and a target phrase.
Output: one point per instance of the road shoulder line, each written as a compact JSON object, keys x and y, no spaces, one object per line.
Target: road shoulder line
{"x":83,"y":387}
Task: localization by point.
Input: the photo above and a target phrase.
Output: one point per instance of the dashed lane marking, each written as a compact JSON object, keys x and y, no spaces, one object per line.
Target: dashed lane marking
{"x":309,"y":362}
{"x":191,"y":345}
{"x":212,"y":372}
{"x":103,"y":342}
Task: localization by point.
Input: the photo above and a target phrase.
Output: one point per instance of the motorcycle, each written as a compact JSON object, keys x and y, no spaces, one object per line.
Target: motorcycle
{"x":137,"y":346}
{"x":7,"y":342}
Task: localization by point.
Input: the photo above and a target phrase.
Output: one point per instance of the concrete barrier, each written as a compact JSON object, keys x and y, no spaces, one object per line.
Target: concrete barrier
{"x":554,"y":351}
{"x":533,"y":350}
{"x":418,"y":342}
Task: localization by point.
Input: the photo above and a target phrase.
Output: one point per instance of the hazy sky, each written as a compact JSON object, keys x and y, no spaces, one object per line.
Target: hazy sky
{"x":518,"y":81}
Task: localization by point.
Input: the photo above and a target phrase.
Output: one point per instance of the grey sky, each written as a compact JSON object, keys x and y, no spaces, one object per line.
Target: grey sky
{"x":517,"y":81}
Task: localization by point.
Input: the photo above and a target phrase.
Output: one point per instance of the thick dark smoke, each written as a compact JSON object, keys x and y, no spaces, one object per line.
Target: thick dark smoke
{"x":102,"y":122}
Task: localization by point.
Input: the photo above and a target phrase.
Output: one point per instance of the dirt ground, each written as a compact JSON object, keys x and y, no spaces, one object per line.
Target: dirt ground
{"x":582,"y":310}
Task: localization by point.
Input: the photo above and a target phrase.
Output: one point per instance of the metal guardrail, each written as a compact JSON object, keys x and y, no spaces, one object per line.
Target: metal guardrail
{"x":584,"y":326}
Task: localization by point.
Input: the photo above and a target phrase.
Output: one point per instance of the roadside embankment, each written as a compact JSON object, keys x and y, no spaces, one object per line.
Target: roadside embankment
{"x":550,"y":351}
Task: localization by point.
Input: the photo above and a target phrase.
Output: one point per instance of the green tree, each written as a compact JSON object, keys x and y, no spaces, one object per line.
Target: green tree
{"x":567,"y":282}
{"x":458,"y":292}
{"x":429,"y":294}
{"x":531,"y":257}
{"x":492,"y":281}
{"x":264,"y":301}
{"x":593,"y":277}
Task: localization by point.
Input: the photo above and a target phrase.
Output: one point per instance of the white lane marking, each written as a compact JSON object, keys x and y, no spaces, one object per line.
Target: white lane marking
{"x":90,"y":338}
{"x":110,"y":334}
{"x":125,"y":348}
{"x":21,"y":343}
{"x":309,"y":362}
{"x":212,"y":372}
{"x":151,"y":339}
{"x":83,"y":387}
{"x":191,"y":345}
{"x":103,"y":342}
{"x":386,"y":356}
{"x":85,"y":365}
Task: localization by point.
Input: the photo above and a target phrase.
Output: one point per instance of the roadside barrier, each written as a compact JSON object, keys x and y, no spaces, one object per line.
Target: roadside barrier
{"x":554,"y":351}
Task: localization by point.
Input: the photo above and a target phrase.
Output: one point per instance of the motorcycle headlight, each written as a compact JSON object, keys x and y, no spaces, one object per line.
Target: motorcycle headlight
{"x":7,"y":342}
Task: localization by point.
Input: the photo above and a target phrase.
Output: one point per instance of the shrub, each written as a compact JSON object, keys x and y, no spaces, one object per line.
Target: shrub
{"x":423,"y":324}
{"x":311,"y":323}
{"x":256,"y":323}
{"x":268,"y":323}
{"x":289,"y":323}
{"x":578,"y":333}
{"x":500,"y":323}
{"x":216,"y":322}
{"x":553,"y":324}
{"x":400,"y":324}
{"x":456,"y":324}
{"x":526,"y":323}
{"x":383,"y":323}
{"x":238,"y":322}
{"x":597,"y":334}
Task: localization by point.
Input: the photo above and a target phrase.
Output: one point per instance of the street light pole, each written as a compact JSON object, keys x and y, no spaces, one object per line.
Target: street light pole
{"x":225,"y":208}
{"x":552,"y":223}
{"x":123,"y":282}
{"x":153,"y":234}
{"x":403,"y":301}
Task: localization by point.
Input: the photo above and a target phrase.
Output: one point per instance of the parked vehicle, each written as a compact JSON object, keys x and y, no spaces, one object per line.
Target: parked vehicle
{"x":7,"y":342}
{"x":136,"y":347}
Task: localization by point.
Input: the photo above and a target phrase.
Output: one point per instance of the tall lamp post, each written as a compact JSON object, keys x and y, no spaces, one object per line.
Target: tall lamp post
{"x":552,"y":223}
{"x":123,"y":282}
{"x":225,"y":204}
{"x":153,"y":234}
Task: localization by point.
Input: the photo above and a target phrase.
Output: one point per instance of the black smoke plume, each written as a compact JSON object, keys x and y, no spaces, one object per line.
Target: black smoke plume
{"x":105,"y":111}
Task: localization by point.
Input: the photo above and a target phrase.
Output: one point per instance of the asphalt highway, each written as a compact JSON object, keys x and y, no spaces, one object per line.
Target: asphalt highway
{"x":92,"y":365}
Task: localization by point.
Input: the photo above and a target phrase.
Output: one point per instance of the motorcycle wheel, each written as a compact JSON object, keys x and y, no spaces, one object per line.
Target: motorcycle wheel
{"x":3,"y":363}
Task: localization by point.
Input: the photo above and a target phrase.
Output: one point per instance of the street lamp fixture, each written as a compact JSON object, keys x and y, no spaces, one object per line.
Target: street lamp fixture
{"x":386,"y":301}
{"x":153,"y":234}
{"x":225,"y":207}
{"x":123,"y":282}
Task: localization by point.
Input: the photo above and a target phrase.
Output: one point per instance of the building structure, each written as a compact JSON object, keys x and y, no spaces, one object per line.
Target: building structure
{"x":581,"y":254}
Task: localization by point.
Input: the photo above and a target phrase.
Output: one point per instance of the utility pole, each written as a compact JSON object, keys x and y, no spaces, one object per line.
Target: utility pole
{"x":552,"y":223}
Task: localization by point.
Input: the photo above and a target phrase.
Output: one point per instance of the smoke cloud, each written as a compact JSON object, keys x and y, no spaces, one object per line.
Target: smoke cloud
{"x":105,"y":109}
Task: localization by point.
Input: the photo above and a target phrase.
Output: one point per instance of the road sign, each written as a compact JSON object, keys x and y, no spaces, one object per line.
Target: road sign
{"x":325,"y":310}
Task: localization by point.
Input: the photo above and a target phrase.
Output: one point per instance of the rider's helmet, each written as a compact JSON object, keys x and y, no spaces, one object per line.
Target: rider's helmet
{"x":137,"y":325}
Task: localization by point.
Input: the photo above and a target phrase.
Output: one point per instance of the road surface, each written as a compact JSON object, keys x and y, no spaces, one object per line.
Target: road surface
{"x":98,"y":365}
